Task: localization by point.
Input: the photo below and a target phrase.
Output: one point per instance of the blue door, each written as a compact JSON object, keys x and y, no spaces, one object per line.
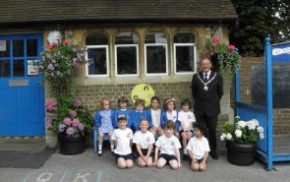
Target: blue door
{"x":21,"y":86}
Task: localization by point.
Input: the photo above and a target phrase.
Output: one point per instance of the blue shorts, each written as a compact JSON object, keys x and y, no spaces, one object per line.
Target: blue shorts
{"x":125,"y":157}
{"x":168,"y":157}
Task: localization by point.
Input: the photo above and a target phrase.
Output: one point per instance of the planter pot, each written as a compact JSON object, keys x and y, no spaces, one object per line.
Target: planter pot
{"x":71,"y":145}
{"x":241,"y":154}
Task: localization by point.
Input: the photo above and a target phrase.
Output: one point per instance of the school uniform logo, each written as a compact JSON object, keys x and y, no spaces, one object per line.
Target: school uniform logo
{"x":148,"y":139}
{"x":171,"y":143}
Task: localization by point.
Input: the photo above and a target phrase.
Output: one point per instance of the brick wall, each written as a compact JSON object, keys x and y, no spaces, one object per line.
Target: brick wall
{"x":281,"y":117}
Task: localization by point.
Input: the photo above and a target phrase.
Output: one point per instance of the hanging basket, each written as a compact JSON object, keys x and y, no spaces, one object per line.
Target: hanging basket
{"x":241,"y":154}
{"x":71,"y":145}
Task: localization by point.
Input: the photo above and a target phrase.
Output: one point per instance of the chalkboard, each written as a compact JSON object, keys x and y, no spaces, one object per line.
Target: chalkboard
{"x":281,"y":85}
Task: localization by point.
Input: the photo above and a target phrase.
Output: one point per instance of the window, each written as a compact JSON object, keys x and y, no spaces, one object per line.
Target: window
{"x":156,"y":53}
{"x":126,"y":54}
{"x":97,"y":55}
{"x":184,"y":52}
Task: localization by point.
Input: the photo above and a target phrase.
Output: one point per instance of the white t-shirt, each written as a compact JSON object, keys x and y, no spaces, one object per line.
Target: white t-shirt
{"x":172,"y":116}
{"x":155,"y":114}
{"x":186,"y":118}
{"x":168,"y":145}
{"x":144,"y":139}
{"x":198,"y":147}
{"x":122,"y":137}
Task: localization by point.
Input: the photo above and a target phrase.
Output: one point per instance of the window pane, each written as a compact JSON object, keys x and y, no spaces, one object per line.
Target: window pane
{"x":184,"y":58}
{"x":156,"y":59}
{"x":4,"y":48}
{"x":32,"y":48}
{"x":97,"y":39}
{"x":4,"y":68}
{"x":18,"y":68}
{"x":126,"y":60}
{"x":155,"y":37}
{"x":126,"y":38}
{"x":184,"y":37}
{"x":97,"y":58}
{"x":18,"y":48}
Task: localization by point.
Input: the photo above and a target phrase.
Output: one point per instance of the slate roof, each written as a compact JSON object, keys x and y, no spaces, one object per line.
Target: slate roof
{"x":23,"y":11}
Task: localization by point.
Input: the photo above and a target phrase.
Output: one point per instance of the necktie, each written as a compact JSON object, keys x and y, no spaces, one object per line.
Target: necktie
{"x":205,"y":77}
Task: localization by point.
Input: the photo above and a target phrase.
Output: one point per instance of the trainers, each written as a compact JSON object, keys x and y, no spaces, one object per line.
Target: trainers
{"x":100,"y":153}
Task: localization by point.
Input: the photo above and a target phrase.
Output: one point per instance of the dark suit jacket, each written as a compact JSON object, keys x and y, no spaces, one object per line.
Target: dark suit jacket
{"x":207,"y":102}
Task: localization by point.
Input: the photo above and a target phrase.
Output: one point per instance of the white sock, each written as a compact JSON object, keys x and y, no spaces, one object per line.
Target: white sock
{"x":100,"y":147}
{"x":112,"y":147}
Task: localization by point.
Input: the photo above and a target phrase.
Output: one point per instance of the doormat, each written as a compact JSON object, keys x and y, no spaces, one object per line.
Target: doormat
{"x":20,"y":159}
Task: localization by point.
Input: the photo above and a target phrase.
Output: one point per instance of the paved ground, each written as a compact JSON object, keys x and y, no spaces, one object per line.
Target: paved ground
{"x":89,"y":168}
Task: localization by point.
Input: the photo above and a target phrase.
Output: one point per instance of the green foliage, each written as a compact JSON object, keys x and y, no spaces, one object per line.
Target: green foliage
{"x":257,"y":18}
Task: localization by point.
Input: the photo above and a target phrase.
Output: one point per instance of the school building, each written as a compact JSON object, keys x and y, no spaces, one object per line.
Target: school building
{"x":157,"y":42}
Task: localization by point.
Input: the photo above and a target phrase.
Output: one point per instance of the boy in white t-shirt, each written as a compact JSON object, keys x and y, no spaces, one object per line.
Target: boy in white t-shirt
{"x":198,"y":149}
{"x":186,"y":119}
{"x":144,"y":141}
{"x":169,"y":146}
{"x":122,"y":138}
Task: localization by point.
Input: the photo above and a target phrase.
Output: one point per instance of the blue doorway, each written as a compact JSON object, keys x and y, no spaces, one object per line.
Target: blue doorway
{"x":21,"y":86}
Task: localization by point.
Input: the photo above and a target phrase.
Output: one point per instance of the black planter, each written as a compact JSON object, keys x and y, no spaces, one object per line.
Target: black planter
{"x":241,"y":154}
{"x":71,"y":145}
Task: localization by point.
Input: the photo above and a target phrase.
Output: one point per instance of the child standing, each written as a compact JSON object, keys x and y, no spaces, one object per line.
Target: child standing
{"x":186,"y":119}
{"x":154,"y":116}
{"x":122,"y":138}
{"x":170,"y":114}
{"x":198,"y":149}
{"x":138,"y":115}
{"x":144,"y":141}
{"x":169,"y":146}
{"x":103,"y":120}
{"x":123,"y":104}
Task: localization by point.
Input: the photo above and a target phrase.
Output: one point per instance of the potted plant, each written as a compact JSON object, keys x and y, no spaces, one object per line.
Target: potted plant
{"x":225,"y":56}
{"x":241,"y":140}
{"x":72,"y":123}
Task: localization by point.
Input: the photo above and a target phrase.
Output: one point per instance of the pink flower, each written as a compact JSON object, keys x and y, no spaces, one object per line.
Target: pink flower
{"x":217,"y":40}
{"x":75,"y":122}
{"x":231,"y":48}
{"x":70,"y":131}
{"x":77,"y":103}
{"x":67,"y":121}
{"x":52,"y":45}
{"x":66,"y":42}
{"x":76,"y":63}
{"x":81,"y":127}
{"x":50,"y":105}
{"x":61,"y":127}
{"x":73,"y":113}
{"x":48,"y":122}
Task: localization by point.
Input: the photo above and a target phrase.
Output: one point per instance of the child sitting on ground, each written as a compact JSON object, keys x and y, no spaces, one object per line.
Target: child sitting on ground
{"x":169,"y":146}
{"x":144,"y":140}
{"x":122,"y":138}
{"x":198,"y":149}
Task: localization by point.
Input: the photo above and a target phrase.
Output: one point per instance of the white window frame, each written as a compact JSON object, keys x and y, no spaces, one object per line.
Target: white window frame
{"x":107,"y":60}
{"x":137,"y":59}
{"x":194,"y":58}
{"x":145,"y":58}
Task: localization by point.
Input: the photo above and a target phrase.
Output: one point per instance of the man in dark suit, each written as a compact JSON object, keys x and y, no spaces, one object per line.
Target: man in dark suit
{"x":207,"y":90}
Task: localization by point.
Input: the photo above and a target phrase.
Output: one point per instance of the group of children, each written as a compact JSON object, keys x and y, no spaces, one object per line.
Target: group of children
{"x":152,"y":136}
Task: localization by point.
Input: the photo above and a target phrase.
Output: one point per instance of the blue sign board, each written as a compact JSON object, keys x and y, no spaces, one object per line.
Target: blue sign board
{"x":281,"y":52}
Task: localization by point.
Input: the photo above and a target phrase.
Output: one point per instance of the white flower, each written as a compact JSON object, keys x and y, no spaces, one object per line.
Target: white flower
{"x":260,"y":129}
{"x":229,"y":136}
{"x":238,"y":133}
{"x":251,"y":125}
{"x":256,"y":122}
{"x":261,"y":135}
{"x":223,"y":137}
{"x":242,"y":124}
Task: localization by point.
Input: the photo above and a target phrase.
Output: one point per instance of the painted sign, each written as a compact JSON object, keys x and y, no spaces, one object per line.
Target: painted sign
{"x":281,"y":52}
{"x":142,"y":91}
